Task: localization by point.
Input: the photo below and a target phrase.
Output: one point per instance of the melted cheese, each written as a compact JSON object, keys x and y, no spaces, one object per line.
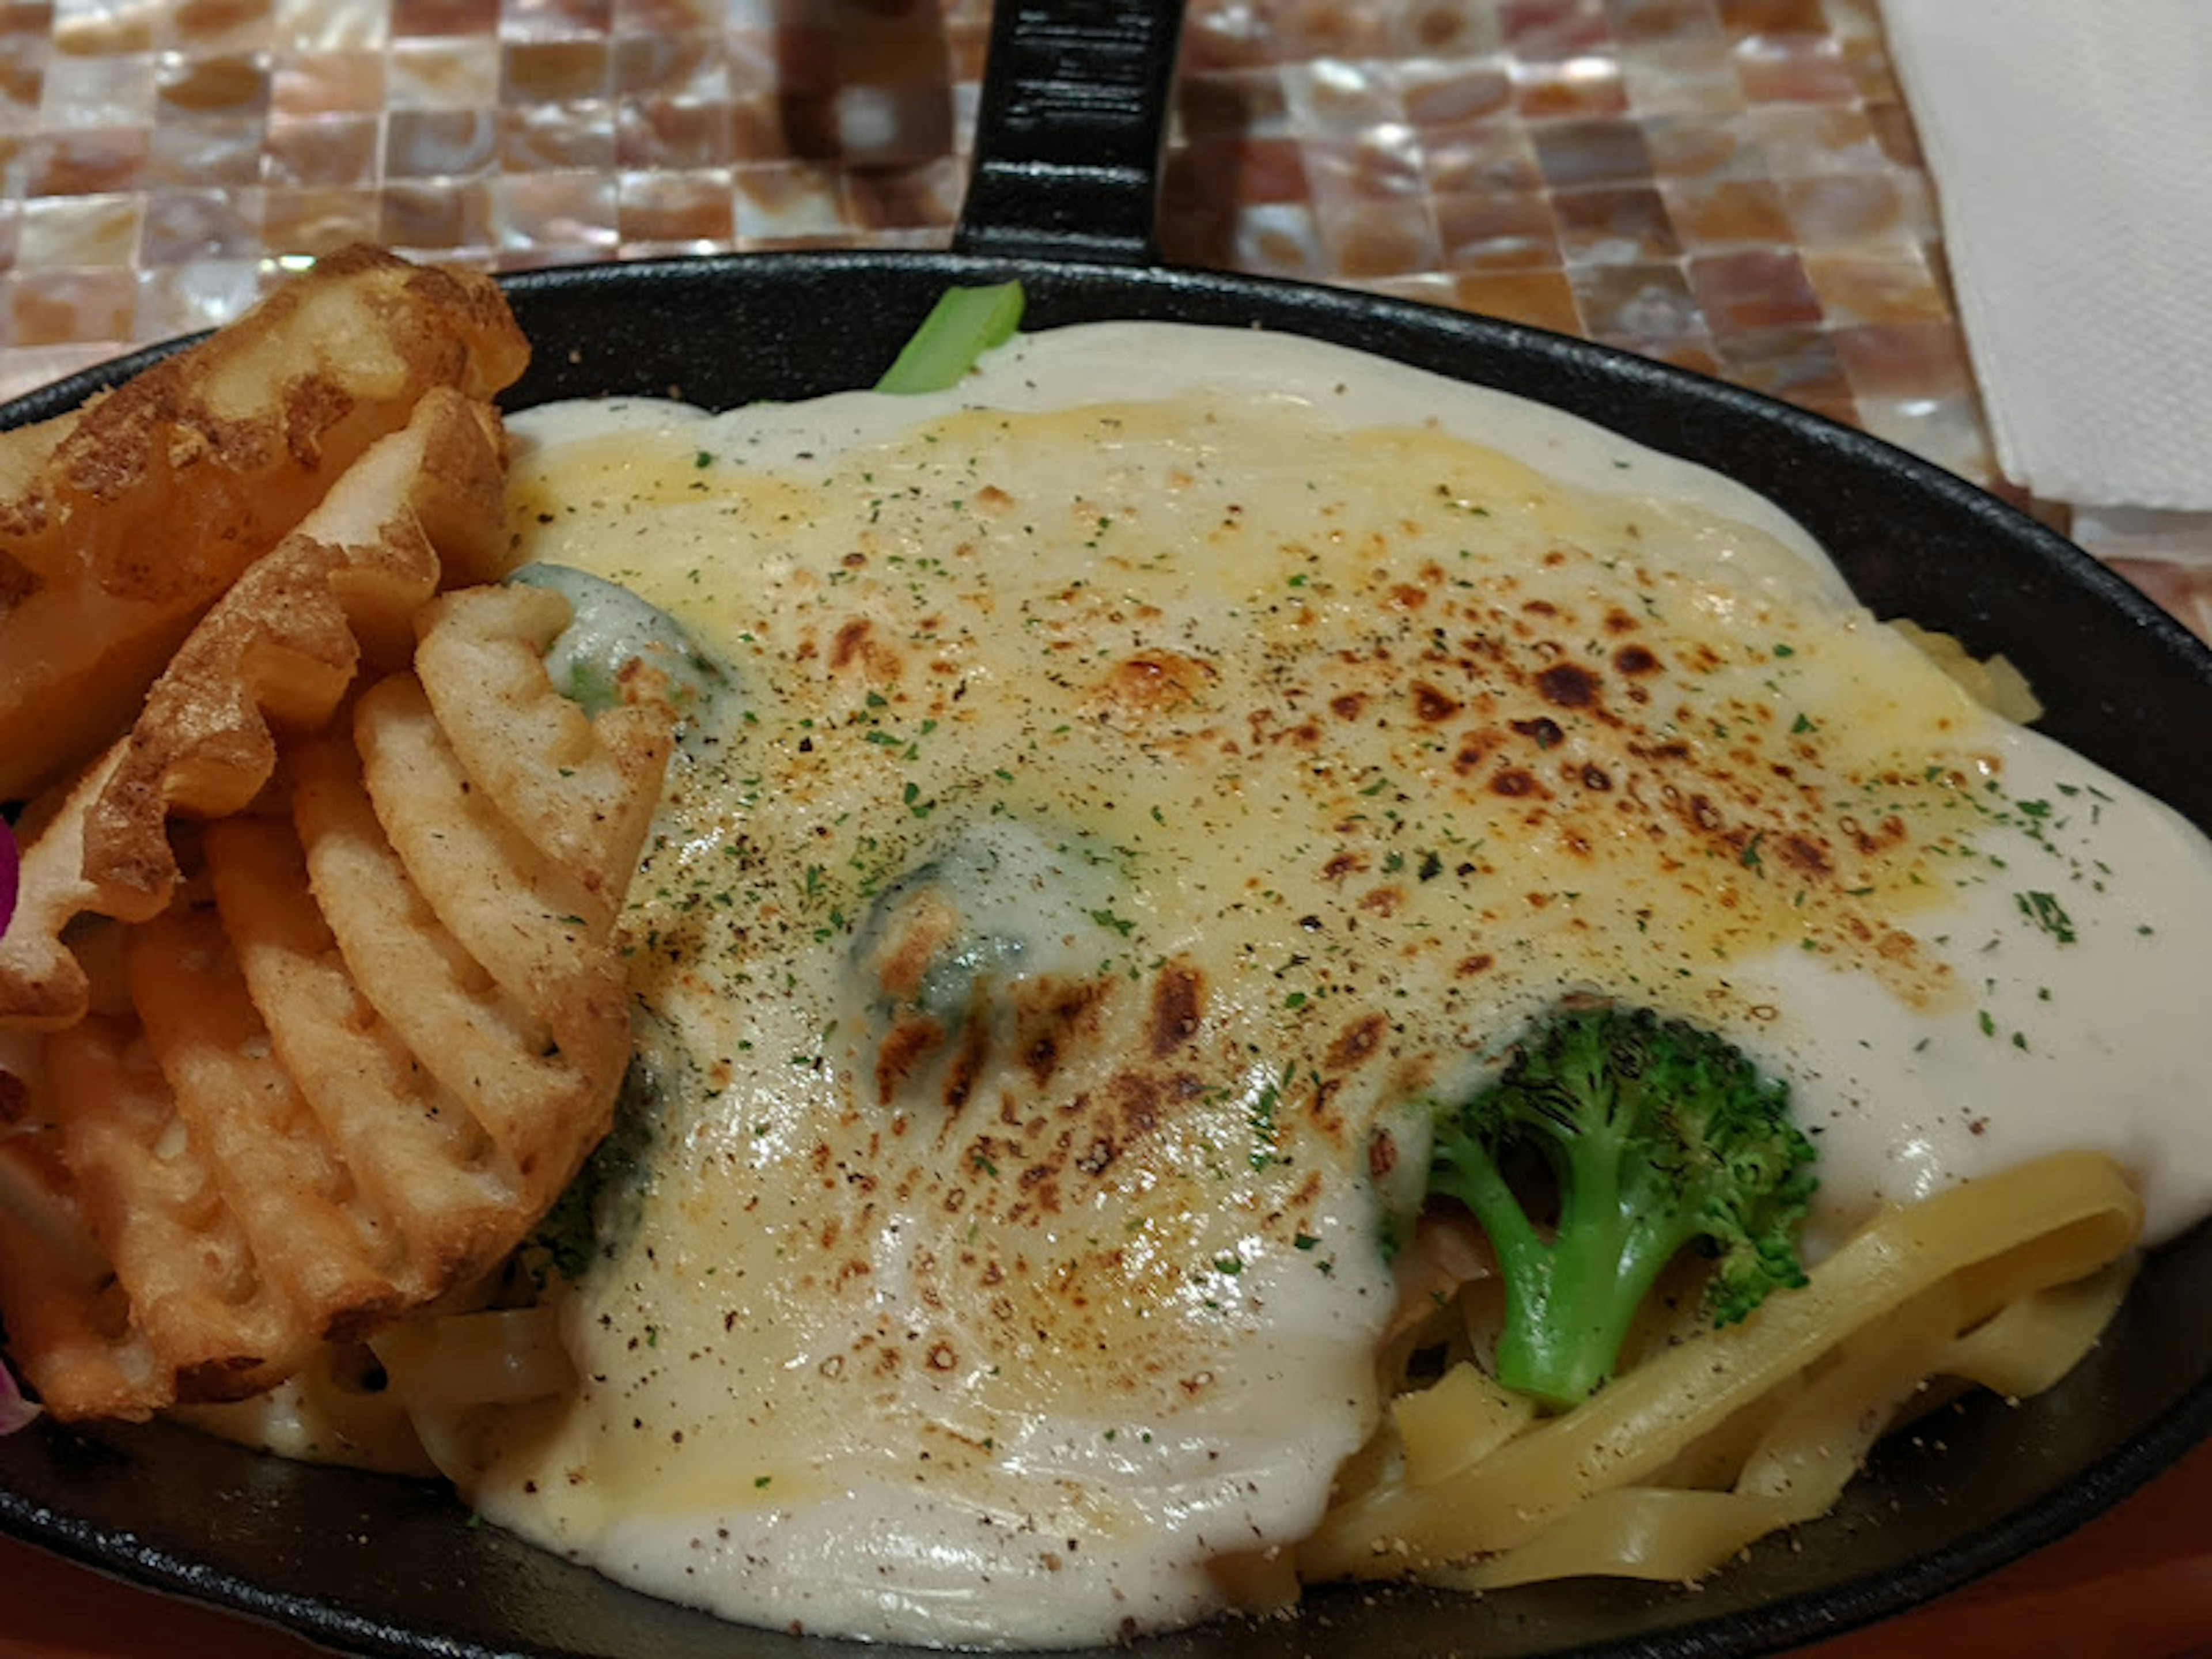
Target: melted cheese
{"x":1152,"y":773}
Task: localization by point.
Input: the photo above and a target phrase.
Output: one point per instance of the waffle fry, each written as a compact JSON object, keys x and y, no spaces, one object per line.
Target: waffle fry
{"x":42,"y":982}
{"x":310,"y":1007}
{"x":484,"y":1045}
{"x":276,"y":653}
{"x":122,"y":521}
{"x":529,"y":924}
{"x":269,"y":1150}
{"x":415,"y":1156}
{"x":480,"y":662}
{"x":195,"y":1292}
{"x":59,"y":1289}
{"x":492,"y":1048}
{"x":329,"y":1256}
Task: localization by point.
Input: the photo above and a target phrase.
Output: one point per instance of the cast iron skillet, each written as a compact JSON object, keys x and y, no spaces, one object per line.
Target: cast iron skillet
{"x":1062,"y":196}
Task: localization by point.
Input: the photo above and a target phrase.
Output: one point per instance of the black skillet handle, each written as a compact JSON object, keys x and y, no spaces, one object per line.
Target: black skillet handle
{"x":1073,"y":113}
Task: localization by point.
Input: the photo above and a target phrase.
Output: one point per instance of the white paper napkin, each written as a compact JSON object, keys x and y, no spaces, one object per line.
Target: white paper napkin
{"x":2070,"y":143}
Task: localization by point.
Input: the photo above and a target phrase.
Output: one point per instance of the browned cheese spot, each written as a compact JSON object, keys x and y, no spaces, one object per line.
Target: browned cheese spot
{"x":856,"y":649}
{"x":1051,"y":1016}
{"x":1568,"y":685}
{"x":1177,"y":1007}
{"x":967,"y":1068}
{"x":1148,"y":684}
{"x":1431,"y":706}
{"x":902,"y":1053}
{"x":1358,"y":1042}
{"x":1516,"y":784}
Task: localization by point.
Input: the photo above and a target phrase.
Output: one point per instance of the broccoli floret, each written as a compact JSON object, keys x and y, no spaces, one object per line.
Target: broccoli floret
{"x":1658,"y":1135}
{"x":610,"y":633}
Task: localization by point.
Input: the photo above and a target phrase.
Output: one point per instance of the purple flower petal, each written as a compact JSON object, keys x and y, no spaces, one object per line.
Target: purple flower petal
{"x":14,"y":1410}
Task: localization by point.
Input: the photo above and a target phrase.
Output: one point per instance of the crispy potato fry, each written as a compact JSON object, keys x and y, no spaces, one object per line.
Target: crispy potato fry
{"x":220,"y":1328}
{"x":485,"y":1045}
{"x":310,"y":1006}
{"x":282,"y":646}
{"x":537,"y":931}
{"x":575,"y":786}
{"x":83,"y":1365}
{"x":276,"y":653}
{"x":43,"y":985}
{"x":333,"y":1259}
{"x":121,"y":522}
{"x":267,"y":1149}
{"x":68,"y":1320}
{"x":414,"y":1154}
{"x":268,"y":1157}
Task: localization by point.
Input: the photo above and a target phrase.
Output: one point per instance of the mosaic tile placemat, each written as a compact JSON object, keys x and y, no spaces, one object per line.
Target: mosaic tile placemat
{"x":1729,"y":185}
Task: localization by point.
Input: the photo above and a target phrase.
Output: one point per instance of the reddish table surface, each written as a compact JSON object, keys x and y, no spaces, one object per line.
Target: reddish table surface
{"x":2136,"y":1583}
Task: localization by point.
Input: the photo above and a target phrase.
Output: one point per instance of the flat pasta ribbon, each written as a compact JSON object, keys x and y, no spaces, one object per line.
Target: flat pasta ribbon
{"x":2004,"y":1281}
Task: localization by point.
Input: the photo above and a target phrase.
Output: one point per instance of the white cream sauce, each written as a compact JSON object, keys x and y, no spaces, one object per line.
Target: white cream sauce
{"x":1259,"y":733}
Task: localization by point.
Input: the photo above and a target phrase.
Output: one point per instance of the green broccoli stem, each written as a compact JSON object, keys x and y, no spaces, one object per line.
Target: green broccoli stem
{"x":1570,"y":1300}
{"x":963,"y":324}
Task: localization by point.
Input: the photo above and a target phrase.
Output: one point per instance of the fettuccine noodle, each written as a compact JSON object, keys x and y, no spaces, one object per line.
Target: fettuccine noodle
{"x":2004,"y":1282}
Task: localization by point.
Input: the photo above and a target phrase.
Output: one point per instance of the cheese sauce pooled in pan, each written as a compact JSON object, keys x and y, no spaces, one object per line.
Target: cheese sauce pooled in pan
{"x":1144,"y":778}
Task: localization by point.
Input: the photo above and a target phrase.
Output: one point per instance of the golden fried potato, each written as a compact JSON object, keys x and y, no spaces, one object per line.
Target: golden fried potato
{"x":481,"y":661}
{"x":194,"y":1287}
{"x":310,"y":1006}
{"x":350,"y":1062}
{"x":541,"y":936}
{"x":121,"y":522}
{"x":275,"y":653}
{"x":490,"y":1047}
{"x":43,"y":985}
{"x":415,"y":1157}
{"x":335,"y":1261}
{"x":55,"y":1283}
